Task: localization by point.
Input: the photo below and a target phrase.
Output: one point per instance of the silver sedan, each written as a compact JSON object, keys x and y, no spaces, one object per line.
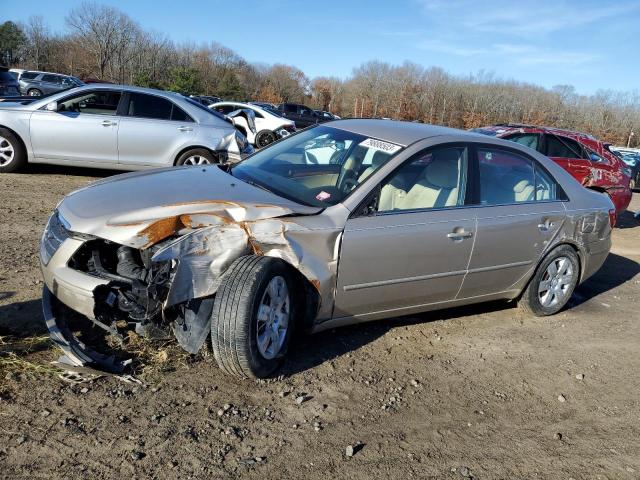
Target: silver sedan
{"x":116,"y":127}
{"x":349,"y":222}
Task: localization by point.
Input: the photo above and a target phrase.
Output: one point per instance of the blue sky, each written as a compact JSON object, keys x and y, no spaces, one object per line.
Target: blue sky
{"x":589,"y":44}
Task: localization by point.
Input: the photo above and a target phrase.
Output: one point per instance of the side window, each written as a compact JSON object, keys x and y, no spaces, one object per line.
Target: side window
{"x":50,"y":78}
{"x":562,"y":147}
{"x":179,"y":115}
{"x":290,"y":108}
{"x":28,"y":76}
{"x":102,"y":102}
{"x":149,"y":106}
{"x":304,"y":111}
{"x":546,"y":188}
{"x":430,"y":179}
{"x":531,"y":140}
{"x":67,"y":81}
{"x":507,"y":178}
{"x":594,"y":157}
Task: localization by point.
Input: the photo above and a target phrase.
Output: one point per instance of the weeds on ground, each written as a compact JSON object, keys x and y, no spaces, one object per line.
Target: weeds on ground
{"x":15,"y":361}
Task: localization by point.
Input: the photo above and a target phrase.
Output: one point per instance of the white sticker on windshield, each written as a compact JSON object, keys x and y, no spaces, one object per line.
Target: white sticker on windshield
{"x":386,"y":147}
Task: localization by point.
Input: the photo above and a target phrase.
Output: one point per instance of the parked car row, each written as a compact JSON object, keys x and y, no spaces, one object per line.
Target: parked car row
{"x":589,"y":160}
{"x":117,"y":127}
{"x":36,"y":84}
{"x":630,"y":156}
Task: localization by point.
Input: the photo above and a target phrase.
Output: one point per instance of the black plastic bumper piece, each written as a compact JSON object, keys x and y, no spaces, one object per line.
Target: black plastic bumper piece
{"x":76,"y":353}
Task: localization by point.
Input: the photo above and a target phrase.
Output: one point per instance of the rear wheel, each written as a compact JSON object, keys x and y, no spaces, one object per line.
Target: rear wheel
{"x":196,"y":156}
{"x":264,"y":138}
{"x":553,"y":283}
{"x":12,"y":153}
{"x":34,"y":92}
{"x":252,"y":317}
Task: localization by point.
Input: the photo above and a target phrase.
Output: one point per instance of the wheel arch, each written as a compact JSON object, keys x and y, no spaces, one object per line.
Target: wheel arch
{"x":194,"y":147}
{"x":564,"y":243}
{"x":20,"y":139}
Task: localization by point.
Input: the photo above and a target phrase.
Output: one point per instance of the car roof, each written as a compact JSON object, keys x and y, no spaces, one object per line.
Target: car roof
{"x":398,"y":132}
{"x":502,"y":128}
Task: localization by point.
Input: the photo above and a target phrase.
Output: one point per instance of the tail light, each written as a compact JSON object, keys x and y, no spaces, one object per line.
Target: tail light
{"x":612,"y":217}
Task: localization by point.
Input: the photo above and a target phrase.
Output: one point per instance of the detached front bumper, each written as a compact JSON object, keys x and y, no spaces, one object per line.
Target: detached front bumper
{"x":76,"y":353}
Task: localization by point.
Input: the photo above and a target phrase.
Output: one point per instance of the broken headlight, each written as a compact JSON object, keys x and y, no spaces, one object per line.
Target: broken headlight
{"x":56,"y":232}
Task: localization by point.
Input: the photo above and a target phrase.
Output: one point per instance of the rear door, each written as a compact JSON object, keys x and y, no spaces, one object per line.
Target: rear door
{"x":414,"y":250}
{"x":151,"y":130}
{"x":84,"y":130}
{"x":519,"y":211}
{"x":567,"y":153}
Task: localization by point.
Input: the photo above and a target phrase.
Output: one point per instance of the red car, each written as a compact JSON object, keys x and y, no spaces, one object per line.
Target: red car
{"x":586,"y":158}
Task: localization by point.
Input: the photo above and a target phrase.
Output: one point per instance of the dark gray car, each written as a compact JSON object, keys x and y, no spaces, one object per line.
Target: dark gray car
{"x":342,"y":223}
{"x":37,"y":84}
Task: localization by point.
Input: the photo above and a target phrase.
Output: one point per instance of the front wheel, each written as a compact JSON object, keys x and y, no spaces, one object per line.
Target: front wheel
{"x":553,"y":283}
{"x":252,"y":319}
{"x":13,"y":155}
{"x":34,"y":92}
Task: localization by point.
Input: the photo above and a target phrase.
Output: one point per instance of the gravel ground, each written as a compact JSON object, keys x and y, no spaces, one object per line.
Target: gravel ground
{"x":482,"y":392}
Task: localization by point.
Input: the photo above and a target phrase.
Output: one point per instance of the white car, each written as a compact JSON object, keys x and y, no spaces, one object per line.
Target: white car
{"x":269,"y":126}
{"x":117,"y":127}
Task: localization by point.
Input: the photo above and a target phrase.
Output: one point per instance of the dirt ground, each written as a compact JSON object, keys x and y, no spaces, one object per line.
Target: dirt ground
{"x":483,"y":392}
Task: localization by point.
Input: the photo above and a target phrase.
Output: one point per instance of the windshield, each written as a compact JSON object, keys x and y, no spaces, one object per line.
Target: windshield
{"x":317,"y":167}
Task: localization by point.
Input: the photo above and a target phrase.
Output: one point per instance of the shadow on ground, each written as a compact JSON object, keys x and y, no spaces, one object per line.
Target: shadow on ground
{"x":42,"y":169}
{"x":21,"y":319}
{"x":615,"y":271}
{"x":627,"y":220}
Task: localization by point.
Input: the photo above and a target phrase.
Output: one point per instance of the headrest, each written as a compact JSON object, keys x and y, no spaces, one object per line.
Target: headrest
{"x":443,"y":169}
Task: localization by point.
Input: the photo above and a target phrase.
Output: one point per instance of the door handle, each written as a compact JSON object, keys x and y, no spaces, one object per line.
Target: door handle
{"x":545,"y":226}
{"x":185,"y":129}
{"x":461,"y":235}
{"x":108,"y":123}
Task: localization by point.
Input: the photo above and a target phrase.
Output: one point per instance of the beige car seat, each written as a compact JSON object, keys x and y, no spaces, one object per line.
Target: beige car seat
{"x":437,"y":186}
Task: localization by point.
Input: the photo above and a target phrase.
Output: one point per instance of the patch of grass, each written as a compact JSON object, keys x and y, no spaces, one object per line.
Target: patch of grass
{"x":17,"y":358}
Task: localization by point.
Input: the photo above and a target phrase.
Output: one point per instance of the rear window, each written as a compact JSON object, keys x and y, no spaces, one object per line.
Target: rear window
{"x":150,"y":106}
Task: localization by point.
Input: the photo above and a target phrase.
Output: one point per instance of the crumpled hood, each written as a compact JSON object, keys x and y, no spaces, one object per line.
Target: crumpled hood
{"x":143,"y":208}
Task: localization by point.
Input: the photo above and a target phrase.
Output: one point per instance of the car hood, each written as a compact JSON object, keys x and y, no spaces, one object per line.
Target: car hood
{"x":143,"y":208}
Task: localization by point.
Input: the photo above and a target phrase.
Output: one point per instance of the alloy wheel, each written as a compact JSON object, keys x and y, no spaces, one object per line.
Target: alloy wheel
{"x":7,"y":152}
{"x":555,"y":286}
{"x":197,"y":160}
{"x":273,"y":318}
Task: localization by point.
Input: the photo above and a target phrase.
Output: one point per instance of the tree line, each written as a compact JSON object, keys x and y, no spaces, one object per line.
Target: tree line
{"x":102,"y":42}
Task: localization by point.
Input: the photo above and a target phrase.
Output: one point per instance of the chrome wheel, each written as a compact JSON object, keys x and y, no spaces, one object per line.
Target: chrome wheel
{"x":273,"y":318}
{"x":556,"y":283}
{"x":34,"y":93}
{"x":6,"y":152}
{"x":197,"y":160}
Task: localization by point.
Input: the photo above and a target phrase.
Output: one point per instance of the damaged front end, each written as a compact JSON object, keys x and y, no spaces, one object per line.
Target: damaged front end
{"x":160,"y":279}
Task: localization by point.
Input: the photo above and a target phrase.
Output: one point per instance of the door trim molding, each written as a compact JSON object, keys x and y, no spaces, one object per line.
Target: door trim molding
{"x":395,"y":281}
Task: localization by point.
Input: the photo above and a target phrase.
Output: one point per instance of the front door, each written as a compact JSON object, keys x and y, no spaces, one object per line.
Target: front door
{"x":414,"y":250}
{"x":519,"y":213}
{"x":84,"y":129}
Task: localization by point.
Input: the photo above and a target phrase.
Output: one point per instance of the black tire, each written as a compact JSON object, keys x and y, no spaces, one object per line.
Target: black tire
{"x":189,"y":155}
{"x":530,"y":300}
{"x":19,"y":158}
{"x":34,"y":92}
{"x":234,"y":321}
{"x":264,"y":138}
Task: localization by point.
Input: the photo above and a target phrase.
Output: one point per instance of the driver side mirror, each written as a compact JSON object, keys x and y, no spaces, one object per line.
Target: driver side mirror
{"x":52,"y":106}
